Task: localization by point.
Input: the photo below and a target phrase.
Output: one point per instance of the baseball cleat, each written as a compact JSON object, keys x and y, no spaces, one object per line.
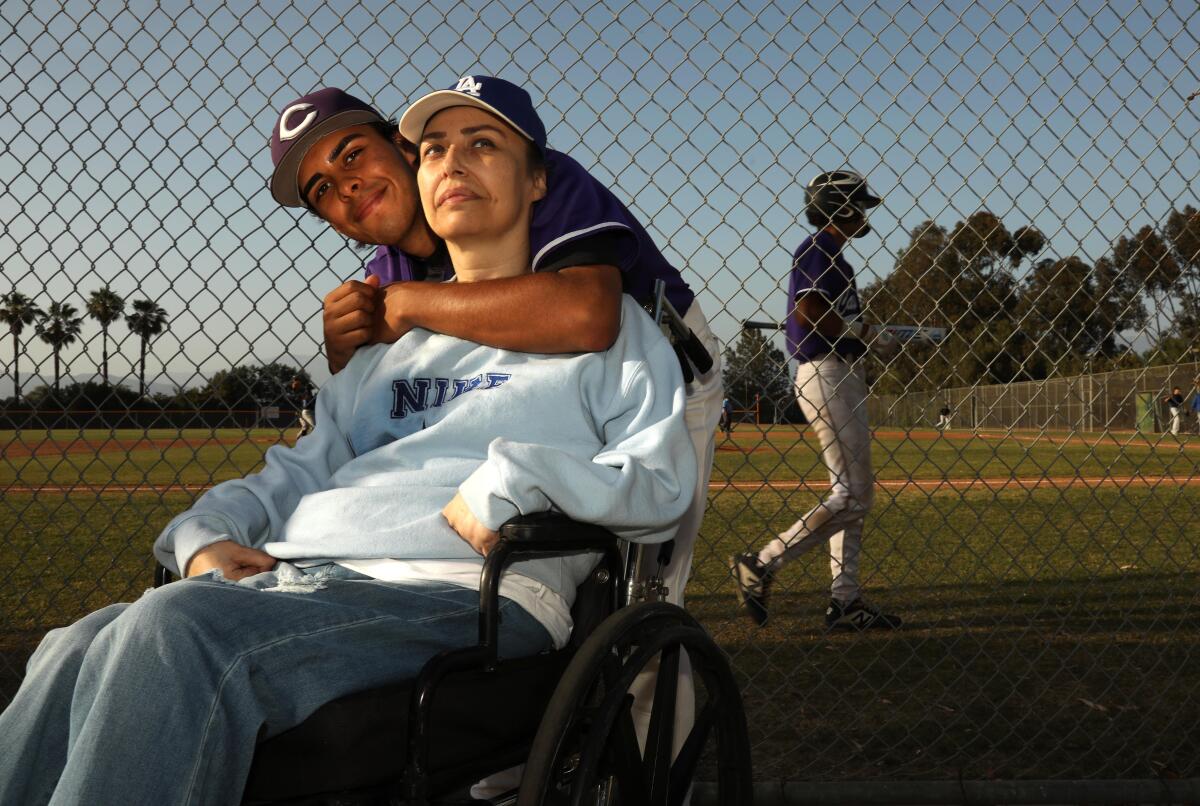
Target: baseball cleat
{"x":753,"y":585}
{"x":858,"y":615}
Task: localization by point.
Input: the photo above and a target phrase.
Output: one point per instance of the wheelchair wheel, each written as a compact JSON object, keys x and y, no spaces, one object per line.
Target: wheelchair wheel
{"x":586,"y":750}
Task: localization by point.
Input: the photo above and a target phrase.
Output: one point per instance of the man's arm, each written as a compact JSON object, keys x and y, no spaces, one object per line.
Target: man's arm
{"x":574,"y":310}
{"x":638,"y":484}
{"x":814,"y":312}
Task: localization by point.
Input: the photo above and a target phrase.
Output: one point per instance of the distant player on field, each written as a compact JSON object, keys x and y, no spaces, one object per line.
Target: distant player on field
{"x":1196,"y":406}
{"x":826,"y":335}
{"x":727,"y":416}
{"x":1174,"y":403}
{"x":944,"y":417}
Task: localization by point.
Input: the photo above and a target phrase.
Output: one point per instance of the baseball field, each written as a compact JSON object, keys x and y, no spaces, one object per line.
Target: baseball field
{"x":1050,"y":586}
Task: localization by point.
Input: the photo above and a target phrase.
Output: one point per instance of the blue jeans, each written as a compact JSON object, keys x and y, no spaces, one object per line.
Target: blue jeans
{"x":163,"y":700}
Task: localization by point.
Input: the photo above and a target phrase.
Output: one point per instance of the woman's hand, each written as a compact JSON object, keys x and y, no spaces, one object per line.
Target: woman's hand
{"x":235,"y":560}
{"x":463,"y":521}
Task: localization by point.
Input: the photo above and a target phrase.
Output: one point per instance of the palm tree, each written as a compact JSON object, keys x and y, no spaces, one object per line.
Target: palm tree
{"x":59,"y":328}
{"x":147,"y":320}
{"x":105,"y":306}
{"x":17,"y":311}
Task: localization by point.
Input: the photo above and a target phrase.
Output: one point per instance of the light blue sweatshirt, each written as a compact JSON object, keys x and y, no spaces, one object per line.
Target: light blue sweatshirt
{"x":598,"y":436}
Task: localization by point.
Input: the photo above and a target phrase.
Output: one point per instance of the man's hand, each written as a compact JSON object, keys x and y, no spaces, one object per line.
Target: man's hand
{"x":391,"y":321}
{"x":882,"y":341}
{"x":235,"y":560}
{"x":349,"y":319}
{"x":463,"y":521}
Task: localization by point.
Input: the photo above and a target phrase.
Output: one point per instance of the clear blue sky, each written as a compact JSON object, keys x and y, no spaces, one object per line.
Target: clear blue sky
{"x":134,"y":138}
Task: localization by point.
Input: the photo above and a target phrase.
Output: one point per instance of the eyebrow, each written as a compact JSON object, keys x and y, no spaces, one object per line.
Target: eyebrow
{"x":468,"y":131}
{"x":333,"y":155}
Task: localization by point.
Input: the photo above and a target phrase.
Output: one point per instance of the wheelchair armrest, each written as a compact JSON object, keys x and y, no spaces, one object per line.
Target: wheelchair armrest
{"x":538,"y":534}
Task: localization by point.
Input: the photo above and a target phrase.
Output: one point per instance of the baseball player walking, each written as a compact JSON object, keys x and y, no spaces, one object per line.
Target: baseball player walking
{"x":826,"y":335}
{"x":1174,"y":403}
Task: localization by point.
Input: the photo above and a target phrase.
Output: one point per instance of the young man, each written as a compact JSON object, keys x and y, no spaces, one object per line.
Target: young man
{"x":944,"y":417}
{"x":302,"y":396}
{"x":1196,"y":406}
{"x":1174,"y":403}
{"x":354,"y":557}
{"x":826,"y":335}
{"x":586,"y":249}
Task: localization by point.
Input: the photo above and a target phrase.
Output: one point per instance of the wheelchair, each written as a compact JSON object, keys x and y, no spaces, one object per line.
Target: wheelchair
{"x":566,"y":714}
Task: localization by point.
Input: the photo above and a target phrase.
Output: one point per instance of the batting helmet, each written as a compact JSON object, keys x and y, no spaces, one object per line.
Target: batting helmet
{"x":837,"y":197}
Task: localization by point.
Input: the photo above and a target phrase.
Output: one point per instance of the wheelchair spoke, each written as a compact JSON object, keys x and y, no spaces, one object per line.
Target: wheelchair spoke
{"x":625,"y":759}
{"x":684,"y":768}
{"x":610,"y":669}
{"x":661,"y":734}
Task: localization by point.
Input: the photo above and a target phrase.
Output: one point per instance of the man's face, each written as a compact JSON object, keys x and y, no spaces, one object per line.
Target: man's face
{"x":363,"y":185}
{"x":474,"y":175}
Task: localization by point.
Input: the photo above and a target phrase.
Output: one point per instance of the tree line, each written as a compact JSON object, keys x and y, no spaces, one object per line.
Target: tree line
{"x":1011,"y":313}
{"x":61,"y":325}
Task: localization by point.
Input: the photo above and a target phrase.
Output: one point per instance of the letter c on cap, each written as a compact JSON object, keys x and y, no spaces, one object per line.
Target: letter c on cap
{"x":286,"y":133}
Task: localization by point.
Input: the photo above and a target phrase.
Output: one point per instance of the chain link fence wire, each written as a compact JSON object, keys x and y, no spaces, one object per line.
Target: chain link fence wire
{"x":1039,"y":170}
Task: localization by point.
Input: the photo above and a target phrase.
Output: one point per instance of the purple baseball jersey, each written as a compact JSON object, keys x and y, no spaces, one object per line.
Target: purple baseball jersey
{"x":818,"y":266}
{"x":576,"y":206}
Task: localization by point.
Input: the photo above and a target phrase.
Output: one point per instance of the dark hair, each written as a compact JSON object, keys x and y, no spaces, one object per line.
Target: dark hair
{"x":388,"y":129}
{"x":535,"y":158}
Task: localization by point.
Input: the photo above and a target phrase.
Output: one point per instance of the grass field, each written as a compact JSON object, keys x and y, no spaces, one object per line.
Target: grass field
{"x":1050,"y":632}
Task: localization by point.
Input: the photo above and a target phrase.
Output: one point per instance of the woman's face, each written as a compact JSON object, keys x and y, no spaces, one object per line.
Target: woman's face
{"x":474,"y":175}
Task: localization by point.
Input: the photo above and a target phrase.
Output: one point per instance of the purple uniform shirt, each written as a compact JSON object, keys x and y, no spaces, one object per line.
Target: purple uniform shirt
{"x":576,"y":206}
{"x":818,"y":266}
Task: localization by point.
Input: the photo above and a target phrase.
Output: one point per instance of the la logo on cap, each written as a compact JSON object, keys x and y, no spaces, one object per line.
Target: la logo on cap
{"x":468,"y":85}
{"x":288,"y":133}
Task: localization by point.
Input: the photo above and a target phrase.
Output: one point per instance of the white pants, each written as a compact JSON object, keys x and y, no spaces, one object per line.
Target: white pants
{"x":944,"y":422}
{"x":1175,"y":417}
{"x":704,"y":396}
{"x":833,"y":396}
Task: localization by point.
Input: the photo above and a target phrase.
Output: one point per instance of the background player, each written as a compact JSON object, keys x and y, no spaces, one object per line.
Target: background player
{"x":1174,"y":403}
{"x":826,"y":335}
{"x":302,"y":396}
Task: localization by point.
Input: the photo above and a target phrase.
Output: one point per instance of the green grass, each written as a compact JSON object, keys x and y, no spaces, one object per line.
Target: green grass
{"x":785,"y":454}
{"x":1019,"y":607}
{"x":780,"y":453}
{"x":190,"y":456}
{"x":1049,"y":633}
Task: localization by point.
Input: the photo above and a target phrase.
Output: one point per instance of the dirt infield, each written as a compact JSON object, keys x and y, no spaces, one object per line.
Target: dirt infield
{"x":894,"y":485}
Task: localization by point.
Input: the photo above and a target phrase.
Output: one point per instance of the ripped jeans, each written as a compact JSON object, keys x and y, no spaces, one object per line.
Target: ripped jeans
{"x":163,"y":700}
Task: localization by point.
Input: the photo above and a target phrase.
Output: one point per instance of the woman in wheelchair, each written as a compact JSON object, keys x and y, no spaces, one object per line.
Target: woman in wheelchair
{"x":353,"y":558}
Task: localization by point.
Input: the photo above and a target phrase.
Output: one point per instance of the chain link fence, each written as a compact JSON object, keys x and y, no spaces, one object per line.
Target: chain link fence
{"x":1123,"y":401}
{"x":1038,"y":166}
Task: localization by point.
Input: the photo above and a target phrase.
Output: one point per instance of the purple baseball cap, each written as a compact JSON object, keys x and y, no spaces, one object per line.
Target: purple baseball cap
{"x":302,"y":123}
{"x":502,"y":98}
